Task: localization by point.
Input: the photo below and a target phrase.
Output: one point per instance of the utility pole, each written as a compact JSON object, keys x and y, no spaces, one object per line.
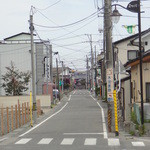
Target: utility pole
{"x":51,"y":65}
{"x":95,"y":73}
{"x":109,"y":60}
{"x":47,"y":70}
{"x":87,"y":72}
{"x":62,"y":84}
{"x":57,"y":76}
{"x":92,"y":76}
{"x":33,"y":68}
{"x":103,"y":72}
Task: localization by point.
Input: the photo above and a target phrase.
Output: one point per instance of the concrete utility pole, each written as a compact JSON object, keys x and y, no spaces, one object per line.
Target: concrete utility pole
{"x":47,"y":69}
{"x":109,"y":59}
{"x":95,"y":72}
{"x":108,"y":32}
{"x":57,"y":76}
{"x":103,"y":73}
{"x":51,"y":65}
{"x":33,"y":68}
{"x":62,"y":84}
{"x":92,"y":76}
{"x":87,"y":72}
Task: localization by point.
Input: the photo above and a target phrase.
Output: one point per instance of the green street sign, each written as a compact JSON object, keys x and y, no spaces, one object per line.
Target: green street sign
{"x":60,"y":83}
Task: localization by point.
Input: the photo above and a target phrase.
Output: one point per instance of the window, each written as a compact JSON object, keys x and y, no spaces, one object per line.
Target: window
{"x":132,"y":54}
{"x":148,"y":92}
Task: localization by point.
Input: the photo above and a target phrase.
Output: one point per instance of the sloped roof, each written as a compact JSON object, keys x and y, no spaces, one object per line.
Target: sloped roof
{"x":11,"y":37}
{"x":133,"y":37}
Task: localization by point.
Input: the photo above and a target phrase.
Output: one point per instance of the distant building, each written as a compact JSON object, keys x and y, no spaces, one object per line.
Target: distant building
{"x":80,"y":79}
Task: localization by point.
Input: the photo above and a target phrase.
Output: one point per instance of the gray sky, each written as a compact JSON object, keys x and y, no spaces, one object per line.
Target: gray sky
{"x":71,"y":41}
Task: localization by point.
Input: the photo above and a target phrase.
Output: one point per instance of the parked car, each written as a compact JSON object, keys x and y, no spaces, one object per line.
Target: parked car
{"x":56,"y":93}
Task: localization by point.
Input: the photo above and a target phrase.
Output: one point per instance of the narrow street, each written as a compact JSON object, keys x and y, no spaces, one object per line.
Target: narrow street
{"x":78,"y":125}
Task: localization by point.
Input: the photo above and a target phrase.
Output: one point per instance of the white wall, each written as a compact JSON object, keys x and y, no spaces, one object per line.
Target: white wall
{"x":19,"y":54}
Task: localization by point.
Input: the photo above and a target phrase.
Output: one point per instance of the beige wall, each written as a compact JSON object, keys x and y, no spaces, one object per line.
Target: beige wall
{"x":123,"y":47}
{"x":8,"y":101}
{"x":135,"y":77}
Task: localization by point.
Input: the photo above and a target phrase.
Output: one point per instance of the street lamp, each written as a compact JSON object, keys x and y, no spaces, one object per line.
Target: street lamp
{"x":115,"y":16}
{"x":134,"y":6}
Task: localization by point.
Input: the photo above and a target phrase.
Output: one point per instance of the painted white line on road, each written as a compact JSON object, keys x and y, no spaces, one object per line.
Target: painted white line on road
{"x":113,"y":142}
{"x":93,"y":98}
{"x":90,"y":141}
{"x":67,"y":141}
{"x":69,"y":98}
{"x":103,"y":120}
{"x":1,"y":140}
{"x":83,"y":133}
{"x":44,"y":121}
{"x":74,"y":92}
{"x":138,"y":144}
{"x":45,"y":141}
{"x":141,"y":139}
{"x":23,"y":141}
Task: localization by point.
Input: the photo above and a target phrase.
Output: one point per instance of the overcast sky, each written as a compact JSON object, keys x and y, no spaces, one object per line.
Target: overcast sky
{"x":71,"y":42}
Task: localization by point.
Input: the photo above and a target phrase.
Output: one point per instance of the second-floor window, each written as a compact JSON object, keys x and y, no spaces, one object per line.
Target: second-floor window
{"x":132,"y":54}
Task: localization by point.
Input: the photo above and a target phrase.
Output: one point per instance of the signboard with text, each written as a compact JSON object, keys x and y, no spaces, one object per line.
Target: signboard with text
{"x":110,"y":85}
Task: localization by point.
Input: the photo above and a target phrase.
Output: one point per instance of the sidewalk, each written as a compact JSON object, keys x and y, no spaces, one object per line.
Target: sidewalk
{"x":122,"y":134}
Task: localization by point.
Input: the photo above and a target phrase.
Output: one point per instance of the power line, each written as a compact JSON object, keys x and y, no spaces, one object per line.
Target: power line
{"x":50,"y":5}
{"x":74,"y":30}
{"x":67,"y":25}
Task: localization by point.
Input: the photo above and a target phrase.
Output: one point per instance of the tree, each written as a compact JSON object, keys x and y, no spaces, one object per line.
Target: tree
{"x":15,"y":82}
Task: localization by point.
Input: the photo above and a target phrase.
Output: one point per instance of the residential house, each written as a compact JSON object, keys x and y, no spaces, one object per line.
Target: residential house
{"x":135,"y":78}
{"x":127,"y":52}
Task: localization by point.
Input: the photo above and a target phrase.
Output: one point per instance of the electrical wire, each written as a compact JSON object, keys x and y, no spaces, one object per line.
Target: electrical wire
{"x":74,"y":30}
{"x":67,"y":25}
{"x":50,"y":5}
{"x":71,"y":44}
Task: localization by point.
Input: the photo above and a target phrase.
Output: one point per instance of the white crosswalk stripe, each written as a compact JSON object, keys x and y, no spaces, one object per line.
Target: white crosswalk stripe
{"x":138,"y":144}
{"x":70,"y":141}
{"x":113,"y":142}
{"x":67,"y":141}
{"x":45,"y":141}
{"x":90,"y":141}
{"x":23,"y":141}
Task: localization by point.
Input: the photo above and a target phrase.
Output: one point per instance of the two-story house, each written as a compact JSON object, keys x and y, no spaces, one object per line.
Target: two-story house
{"x":127,"y":52}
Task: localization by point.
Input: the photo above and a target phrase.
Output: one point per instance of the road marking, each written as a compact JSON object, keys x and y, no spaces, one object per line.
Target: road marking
{"x":74,"y":92}
{"x":138,"y":144}
{"x":45,"y":141}
{"x":103,"y":120}
{"x":83,"y":133}
{"x":43,"y":121}
{"x":113,"y":142}
{"x":23,"y":141}
{"x":93,"y":98}
{"x":90,"y":141}
{"x":69,"y":98}
{"x":1,"y":140}
{"x":67,"y":141}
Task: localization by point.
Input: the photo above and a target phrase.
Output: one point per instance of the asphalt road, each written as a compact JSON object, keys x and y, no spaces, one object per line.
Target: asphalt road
{"x":78,"y":125}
